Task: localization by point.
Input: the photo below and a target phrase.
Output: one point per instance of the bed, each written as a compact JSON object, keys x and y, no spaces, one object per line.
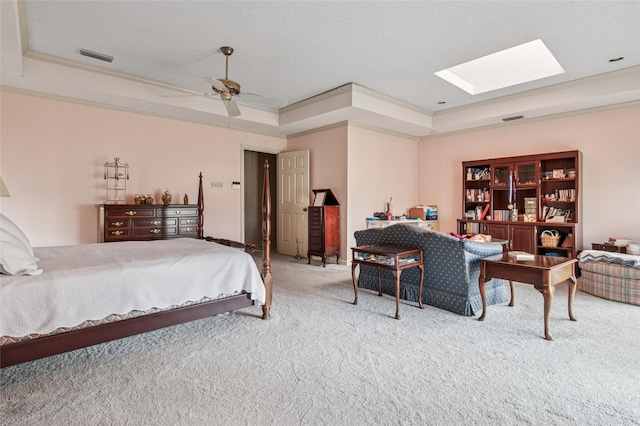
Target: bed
{"x":78,"y":296}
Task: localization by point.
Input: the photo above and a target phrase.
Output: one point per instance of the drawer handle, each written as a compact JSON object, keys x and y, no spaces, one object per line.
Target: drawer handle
{"x":188,"y":229}
{"x":189,"y":221}
{"x":117,"y":233}
{"x":130,"y":213}
{"x":155,"y":222}
{"x":117,"y":223}
{"x":178,"y":212}
{"x":155,"y":231}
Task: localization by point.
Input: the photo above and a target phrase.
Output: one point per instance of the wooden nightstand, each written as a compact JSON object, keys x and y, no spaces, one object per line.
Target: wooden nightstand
{"x":608,"y":247}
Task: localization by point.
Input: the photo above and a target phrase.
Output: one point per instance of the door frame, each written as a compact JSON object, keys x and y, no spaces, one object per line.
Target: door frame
{"x":274,"y":191}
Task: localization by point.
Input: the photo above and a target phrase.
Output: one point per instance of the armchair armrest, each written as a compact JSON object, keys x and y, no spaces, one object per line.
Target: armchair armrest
{"x":369,"y":236}
{"x":483,"y":249}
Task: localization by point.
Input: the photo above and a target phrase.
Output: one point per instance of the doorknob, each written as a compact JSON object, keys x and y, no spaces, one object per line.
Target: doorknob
{"x":304,"y":209}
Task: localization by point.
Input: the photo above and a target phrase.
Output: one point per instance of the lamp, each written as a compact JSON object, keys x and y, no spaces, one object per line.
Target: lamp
{"x":4,"y":192}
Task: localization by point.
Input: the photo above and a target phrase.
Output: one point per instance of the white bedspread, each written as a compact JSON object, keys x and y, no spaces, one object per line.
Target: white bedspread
{"x":92,"y":281}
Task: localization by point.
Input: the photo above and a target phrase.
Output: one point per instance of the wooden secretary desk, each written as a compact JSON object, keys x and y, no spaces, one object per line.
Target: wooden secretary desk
{"x":324,"y":226}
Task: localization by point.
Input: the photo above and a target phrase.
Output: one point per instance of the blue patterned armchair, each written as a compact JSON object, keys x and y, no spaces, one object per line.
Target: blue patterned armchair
{"x":451,"y":269}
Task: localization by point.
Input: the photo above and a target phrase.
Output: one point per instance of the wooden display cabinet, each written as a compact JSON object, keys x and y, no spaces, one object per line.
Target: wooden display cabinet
{"x":547,"y":185}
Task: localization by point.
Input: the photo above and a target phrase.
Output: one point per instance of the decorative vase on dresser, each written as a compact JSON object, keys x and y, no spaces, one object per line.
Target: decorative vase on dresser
{"x":324,"y":226}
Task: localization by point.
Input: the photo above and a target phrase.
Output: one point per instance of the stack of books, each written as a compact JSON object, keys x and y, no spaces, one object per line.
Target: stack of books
{"x":619,"y":241}
{"x":521,"y":255}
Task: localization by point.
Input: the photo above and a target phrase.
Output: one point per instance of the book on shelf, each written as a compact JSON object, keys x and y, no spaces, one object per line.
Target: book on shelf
{"x":521,"y":255}
{"x":484,"y":212}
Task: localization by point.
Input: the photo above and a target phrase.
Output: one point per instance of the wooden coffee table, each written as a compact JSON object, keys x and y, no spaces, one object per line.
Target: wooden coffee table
{"x":544,"y":272}
{"x":394,"y":258}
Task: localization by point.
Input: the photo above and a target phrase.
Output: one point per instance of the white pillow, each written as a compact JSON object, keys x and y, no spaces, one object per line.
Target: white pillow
{"x":633,"y":249}
{"x":8,"y":225}
{"x":15,"y":259}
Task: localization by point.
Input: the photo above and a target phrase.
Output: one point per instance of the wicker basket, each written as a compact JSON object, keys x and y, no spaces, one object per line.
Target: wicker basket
{"x":550,"y":238}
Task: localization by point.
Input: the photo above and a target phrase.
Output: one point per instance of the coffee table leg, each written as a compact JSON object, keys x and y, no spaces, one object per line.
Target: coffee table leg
{"x":513,"y":293}
{"x":397,"y":274}
{"x":547,"y":293}
{"x":572,"y":292}
{"x":421,"y":267}
{"x":355,"y":285}
{"x":483,"y":294}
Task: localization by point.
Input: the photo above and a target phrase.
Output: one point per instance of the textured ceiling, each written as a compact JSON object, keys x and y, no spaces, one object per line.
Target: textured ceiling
{"x":291,"y":51}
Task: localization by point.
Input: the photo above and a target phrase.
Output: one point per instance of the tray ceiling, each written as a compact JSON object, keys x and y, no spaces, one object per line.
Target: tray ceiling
{"x":317,"y":63}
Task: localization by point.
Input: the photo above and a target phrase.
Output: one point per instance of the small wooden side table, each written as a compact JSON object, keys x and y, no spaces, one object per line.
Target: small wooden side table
{"x":394,"y":258}
{"x":608,"y":247}
{"x":544,"y":272}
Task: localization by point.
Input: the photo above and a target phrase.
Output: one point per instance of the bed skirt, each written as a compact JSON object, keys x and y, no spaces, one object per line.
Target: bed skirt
{"x":5,"y":340}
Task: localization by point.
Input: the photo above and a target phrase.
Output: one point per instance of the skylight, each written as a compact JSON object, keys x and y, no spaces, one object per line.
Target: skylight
{"x":520,"y":64}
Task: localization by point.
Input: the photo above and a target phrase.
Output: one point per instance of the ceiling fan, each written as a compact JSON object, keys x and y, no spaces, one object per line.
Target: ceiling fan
{"x":227,"y":88}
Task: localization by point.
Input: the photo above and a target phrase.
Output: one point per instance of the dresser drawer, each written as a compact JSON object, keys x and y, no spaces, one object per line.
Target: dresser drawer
{"x":318,"y":247}
{"x":154,"y":222}
{"x":318,"y":223}
{"x":188,"y":221}
{"x":125,"y":213}
{"x":315,"y":233}
{"x":116,"y":234}
{"x":315,"y":212}
{"x":177,"y":211}
{"x":188,"y":230}
{"x":155,"y":232}
{"x":117,"y":223}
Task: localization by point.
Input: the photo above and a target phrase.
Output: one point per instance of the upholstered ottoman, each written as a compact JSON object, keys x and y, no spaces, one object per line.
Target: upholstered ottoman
{"x":612,"y":276}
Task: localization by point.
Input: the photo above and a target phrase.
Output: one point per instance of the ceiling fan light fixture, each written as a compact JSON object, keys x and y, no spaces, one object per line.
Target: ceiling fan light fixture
{"x":232,"y":107}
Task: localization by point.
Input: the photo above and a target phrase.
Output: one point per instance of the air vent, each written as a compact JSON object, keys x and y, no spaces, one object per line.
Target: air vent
{"x":96,"y":55}
{"x":515,"y":117}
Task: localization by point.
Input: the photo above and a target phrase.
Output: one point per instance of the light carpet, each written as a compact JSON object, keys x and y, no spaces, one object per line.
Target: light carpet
{"x":322,"y":360}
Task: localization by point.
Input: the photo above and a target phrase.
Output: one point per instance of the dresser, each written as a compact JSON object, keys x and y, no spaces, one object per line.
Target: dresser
{"x":324,"y":226}
{"x":140,"y":222}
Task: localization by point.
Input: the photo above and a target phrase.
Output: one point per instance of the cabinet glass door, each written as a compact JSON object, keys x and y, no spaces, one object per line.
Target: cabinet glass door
{"x":526,"y":174}
{"x":501,"y":175}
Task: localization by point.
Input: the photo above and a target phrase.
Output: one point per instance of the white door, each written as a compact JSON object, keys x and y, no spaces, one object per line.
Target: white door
{"x":293,"y":200}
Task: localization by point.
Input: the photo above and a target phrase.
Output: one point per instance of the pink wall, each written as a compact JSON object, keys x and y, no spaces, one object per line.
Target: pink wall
{"x":52,"y":157}
{"x":363,"y":168}
{"x":610,"y":144}
{"x":328,"y":167}
{"x":381,"y":166}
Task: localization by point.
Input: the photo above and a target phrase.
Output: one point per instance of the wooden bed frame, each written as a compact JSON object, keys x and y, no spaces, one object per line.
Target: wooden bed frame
{"x":15,"y":353}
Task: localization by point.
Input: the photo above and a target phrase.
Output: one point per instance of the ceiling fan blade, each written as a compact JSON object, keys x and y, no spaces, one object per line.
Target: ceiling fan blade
{"x":184,"y":96}
{"x":257,"y":99}
{"x":232,"y":108}
{"x":218,"y":85}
